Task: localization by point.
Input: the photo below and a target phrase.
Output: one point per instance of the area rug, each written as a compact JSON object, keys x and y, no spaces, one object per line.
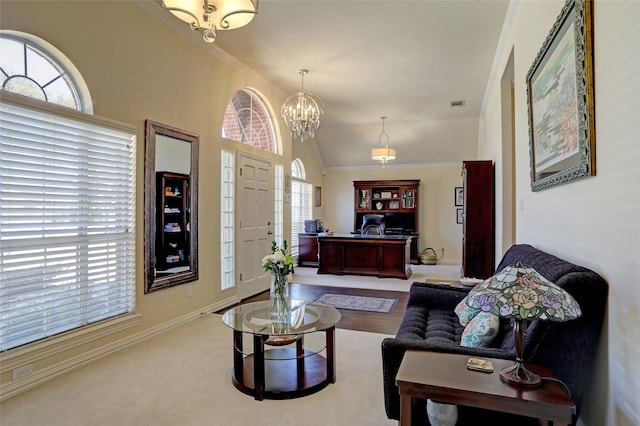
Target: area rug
{"x":358,"y":303}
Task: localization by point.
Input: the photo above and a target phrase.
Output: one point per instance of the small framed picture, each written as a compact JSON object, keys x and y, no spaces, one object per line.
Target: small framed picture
{"x":287,"y":184}
{"x":459,"y":196}
{"x":459,"y":215}
{"x":318,"y":196}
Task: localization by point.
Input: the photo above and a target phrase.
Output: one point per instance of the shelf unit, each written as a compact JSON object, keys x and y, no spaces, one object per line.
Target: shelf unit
{"x":478,"y":222}
{"x":397,"y":200}
{"x":172,"y":219}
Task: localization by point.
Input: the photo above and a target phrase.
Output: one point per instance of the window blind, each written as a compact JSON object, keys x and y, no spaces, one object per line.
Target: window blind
{"x":67,"y":222}
{"x":300,"y":210}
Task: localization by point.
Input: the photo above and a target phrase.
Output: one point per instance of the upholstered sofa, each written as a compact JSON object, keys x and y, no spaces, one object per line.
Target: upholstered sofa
{"x":568,"y":348}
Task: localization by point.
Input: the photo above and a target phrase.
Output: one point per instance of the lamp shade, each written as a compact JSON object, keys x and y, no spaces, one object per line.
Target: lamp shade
{"x":383,"y":154}
{"x":213,"y":15}
{"x":520,"y":292}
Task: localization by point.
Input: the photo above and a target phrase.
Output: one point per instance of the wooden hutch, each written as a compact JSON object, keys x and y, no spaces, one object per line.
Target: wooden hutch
{"x":397,"y":200}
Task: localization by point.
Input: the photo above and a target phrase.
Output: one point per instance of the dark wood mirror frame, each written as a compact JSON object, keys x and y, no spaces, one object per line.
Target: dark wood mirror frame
{"x":153,"y":282}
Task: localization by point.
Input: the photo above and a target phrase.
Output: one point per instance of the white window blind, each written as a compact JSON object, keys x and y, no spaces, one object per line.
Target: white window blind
{"x":301,"y":210}
{"x":67,"y":222}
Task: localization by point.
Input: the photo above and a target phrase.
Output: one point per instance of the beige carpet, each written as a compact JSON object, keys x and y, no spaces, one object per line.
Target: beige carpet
{"x":183,"y":378}
{"x":420,"y":273}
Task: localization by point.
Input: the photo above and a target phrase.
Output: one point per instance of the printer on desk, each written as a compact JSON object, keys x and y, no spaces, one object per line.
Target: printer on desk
{"x":313,"y":226}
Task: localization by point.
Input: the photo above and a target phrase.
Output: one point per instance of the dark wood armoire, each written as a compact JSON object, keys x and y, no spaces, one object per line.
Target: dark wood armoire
{"x":478,"y":219}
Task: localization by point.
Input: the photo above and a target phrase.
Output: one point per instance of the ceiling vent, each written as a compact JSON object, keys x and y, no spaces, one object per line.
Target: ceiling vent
{"x":458,"y":104}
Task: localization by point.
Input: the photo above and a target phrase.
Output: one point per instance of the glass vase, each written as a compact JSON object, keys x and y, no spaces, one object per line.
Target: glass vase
{"x":280,"y":303}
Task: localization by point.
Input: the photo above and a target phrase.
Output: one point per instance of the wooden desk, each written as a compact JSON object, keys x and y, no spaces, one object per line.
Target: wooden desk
{"x":384,"y":256}
{"x":308,"y":249}
{"x":445,"y":378}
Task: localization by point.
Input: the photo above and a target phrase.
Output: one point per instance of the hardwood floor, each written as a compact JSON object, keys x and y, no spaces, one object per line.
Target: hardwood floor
{"x":352,"y":320}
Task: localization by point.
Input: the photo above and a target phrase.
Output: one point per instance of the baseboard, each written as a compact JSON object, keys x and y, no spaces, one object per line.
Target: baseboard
{"x":11,"y":389}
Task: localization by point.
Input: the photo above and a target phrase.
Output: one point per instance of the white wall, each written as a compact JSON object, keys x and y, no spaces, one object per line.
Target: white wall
{"x":592,"y":222}
{"x":438,"y":228}
{"x":308,"y":153}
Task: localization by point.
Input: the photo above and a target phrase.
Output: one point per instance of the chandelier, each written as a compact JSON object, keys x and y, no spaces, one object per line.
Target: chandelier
{"x":303,"y":112}
{"x":213,"y":15}
{"x":383,"y":154}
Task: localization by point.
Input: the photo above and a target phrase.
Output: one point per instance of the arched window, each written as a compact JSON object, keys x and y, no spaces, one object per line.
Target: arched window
{"x":32,"y":67}
{"x":301,"y":202}
{"x":67,"y":191}
{"x":297,"y":169}
{"x":247,"y":120}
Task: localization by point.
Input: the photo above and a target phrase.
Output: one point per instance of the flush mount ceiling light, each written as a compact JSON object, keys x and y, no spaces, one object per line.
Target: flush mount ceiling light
{"x":213,"y":15}
{"x":383,"y":154}
{"x":303,"y":112}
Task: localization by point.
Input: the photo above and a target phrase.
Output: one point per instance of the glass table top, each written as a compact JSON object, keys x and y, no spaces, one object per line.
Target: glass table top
{"x":305,"y":317}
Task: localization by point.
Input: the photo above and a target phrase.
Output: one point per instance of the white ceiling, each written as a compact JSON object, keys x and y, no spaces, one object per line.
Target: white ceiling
{"x":407,"y":60}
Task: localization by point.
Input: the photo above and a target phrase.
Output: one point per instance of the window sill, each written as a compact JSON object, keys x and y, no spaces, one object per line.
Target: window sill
{"x":56,"y":344}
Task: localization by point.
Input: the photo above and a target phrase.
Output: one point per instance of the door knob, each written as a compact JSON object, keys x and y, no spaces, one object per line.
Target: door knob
{"x":269,"y":233}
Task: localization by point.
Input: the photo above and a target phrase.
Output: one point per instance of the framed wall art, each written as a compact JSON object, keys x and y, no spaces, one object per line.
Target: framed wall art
{"x":459,"y":215}
{"x":287,"y":184}
{"x":458,"y":196}
{"x":318,"y":198}
{"x":560,"y":99}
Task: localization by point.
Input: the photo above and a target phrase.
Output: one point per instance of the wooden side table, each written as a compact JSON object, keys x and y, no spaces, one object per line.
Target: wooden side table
{"x":445,"y":378}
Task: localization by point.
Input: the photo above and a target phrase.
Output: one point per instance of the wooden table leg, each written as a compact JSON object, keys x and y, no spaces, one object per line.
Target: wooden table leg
{"x":300,"y":359}
{"x":258,"y":366}
{"x":406,"y":407}
{"x":331,"y":355}
{"x":237,"y":355}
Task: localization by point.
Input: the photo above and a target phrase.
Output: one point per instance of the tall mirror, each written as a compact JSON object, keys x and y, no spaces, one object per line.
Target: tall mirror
{"x":171,"y":206}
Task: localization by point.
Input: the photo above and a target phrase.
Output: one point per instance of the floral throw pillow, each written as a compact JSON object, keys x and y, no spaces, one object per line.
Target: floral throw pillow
{"x":480,"y":331}
{"x":465,"y":312}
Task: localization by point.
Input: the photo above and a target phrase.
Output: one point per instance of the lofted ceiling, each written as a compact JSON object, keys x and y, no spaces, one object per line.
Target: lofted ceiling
{"x":407,"y":60}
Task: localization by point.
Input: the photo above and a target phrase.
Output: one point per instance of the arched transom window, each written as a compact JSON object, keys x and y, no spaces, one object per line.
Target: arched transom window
{"x":247,"y":120}
{"x":32,"y":67}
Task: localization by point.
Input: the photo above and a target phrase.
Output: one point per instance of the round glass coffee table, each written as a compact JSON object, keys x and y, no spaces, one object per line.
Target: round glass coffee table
{"x":281,"y":365}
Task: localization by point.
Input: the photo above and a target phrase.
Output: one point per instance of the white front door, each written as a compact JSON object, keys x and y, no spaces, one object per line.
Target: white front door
{"x":255,"y":222}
